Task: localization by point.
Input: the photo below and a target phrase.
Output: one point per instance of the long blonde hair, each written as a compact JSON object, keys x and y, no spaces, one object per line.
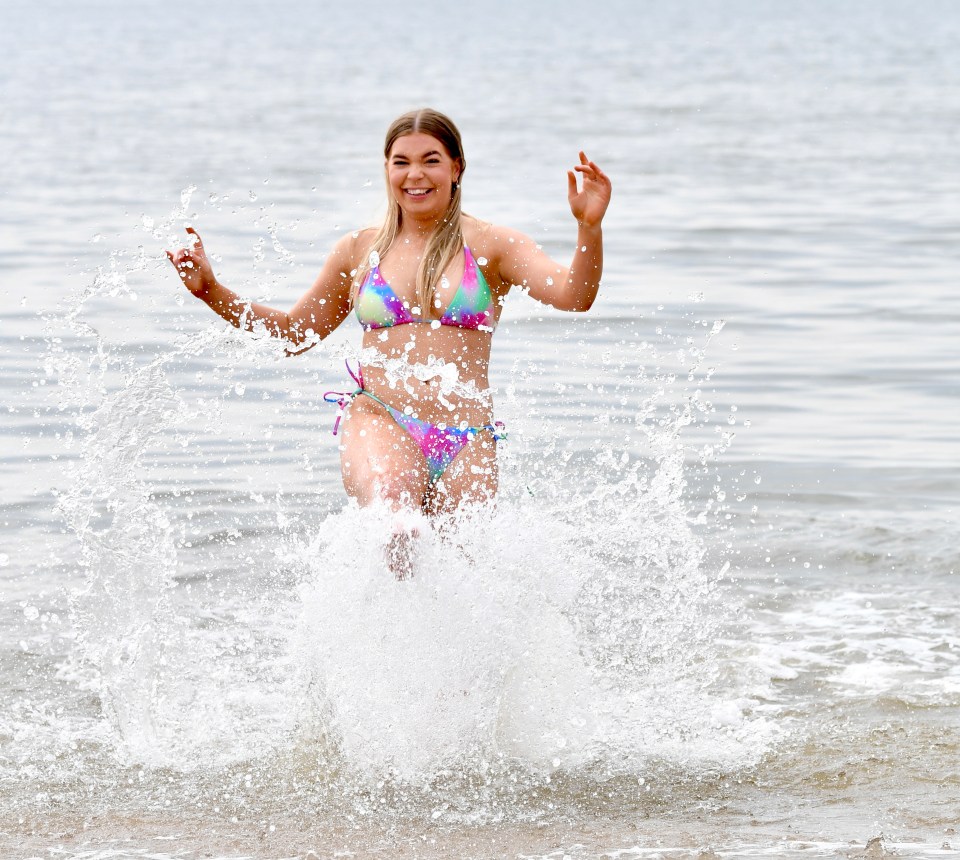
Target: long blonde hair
{"x":447,"y":240}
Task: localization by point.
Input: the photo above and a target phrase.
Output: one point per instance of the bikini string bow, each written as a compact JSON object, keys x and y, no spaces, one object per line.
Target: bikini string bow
{"x":344,"y":398}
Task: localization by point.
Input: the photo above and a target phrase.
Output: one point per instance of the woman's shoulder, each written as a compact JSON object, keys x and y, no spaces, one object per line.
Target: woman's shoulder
{"x":491,"y":240}
{"x":353,"y":247}
{"x":488,"y":237}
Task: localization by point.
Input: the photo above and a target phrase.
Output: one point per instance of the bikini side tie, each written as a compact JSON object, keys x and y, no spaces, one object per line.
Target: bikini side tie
{"x":344,"y":398}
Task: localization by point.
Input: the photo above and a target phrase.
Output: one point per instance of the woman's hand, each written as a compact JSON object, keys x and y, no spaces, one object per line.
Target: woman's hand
{"x":193,"y":266}
{"x":588,"y":204}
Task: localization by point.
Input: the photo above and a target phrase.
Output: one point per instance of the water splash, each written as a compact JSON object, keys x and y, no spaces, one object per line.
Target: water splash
{"x":572,"y":638}
{"x":125,"y":413}
{"x":566,"y":637}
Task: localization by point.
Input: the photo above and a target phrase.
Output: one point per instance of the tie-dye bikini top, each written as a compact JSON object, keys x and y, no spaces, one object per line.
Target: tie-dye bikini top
{"x":378,"y":306}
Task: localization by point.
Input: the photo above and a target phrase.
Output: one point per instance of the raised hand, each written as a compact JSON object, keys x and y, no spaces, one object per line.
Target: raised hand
{"x":193,"y":266}
{"x":589,"y":203}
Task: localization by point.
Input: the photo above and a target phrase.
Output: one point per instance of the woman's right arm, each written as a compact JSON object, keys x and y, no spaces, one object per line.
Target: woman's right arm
{"x":317,"y":313}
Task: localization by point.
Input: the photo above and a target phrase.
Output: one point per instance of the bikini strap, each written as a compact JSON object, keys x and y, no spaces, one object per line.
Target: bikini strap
{"x":358,"y":376}
{"x":344,"y":398}
{"x":499,"y":430}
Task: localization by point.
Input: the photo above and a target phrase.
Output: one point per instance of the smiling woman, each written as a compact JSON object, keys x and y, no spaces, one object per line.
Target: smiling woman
{"x":430,"y":282}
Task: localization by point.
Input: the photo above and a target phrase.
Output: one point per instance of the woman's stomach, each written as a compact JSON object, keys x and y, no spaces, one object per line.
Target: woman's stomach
{"x":438,"y":374}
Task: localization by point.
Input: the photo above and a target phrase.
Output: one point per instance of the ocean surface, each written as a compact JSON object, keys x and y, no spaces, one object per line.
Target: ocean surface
{"x":716,"y":611}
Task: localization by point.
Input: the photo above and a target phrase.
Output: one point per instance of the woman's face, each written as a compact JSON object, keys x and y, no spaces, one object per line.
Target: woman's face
{"x":421,"y":173}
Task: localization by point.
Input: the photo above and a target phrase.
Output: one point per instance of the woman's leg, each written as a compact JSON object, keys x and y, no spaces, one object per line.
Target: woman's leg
{"x":379,"y":461}
{"x":471,"y":478}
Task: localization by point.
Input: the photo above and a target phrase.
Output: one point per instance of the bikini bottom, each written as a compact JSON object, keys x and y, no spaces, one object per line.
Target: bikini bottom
{"x":439,"y":445}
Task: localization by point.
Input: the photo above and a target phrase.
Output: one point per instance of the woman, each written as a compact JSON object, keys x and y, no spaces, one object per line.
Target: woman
{"x":427,"y":287}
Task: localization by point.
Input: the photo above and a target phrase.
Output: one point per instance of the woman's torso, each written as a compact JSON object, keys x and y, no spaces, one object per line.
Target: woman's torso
{"x":439,"y":370}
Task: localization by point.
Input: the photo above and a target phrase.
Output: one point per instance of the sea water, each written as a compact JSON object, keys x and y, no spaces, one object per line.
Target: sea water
{"x":714,"y":611}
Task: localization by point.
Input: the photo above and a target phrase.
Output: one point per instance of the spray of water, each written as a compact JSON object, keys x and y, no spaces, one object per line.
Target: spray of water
{"x":565,"y":637}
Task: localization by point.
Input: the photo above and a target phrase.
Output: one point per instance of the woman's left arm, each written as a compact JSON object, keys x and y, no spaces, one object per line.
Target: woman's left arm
{"x":523,"y":263}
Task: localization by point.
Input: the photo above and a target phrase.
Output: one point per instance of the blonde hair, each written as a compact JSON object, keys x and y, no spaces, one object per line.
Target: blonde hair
{"x":447,"y":240}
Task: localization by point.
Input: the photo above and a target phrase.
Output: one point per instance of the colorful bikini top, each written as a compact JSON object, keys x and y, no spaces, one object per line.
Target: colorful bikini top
{"x":378,"y":306}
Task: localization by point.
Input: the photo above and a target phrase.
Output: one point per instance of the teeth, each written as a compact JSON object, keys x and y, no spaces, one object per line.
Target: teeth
{"x":417,"y":192}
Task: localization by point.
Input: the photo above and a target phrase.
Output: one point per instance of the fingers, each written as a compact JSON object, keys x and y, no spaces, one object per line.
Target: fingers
{"x":586,"y":166}
{"x":189,"y":257}
{"x":589,"y":168}
{"x":198,"y":243}
{"x":594,"y":177}
{"x":181,"y":257}
{"x":183,"y":261}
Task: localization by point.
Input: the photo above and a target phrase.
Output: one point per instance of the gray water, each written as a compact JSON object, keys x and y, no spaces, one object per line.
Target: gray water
{"x":715,"y":612}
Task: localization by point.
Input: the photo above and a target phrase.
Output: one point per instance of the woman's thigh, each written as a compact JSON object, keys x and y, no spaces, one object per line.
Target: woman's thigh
{"x":472,"y":477}
{"x":379,"y":460}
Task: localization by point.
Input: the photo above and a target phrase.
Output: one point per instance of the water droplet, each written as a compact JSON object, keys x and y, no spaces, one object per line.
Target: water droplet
{"x":31,"y":613}
{"x":240,"y":388}
{"x":253,"y":196}
{"x":374,"y":259}
{"x":482,"y":261}
{"x":444,"y":283}
{"x":549,"y":282}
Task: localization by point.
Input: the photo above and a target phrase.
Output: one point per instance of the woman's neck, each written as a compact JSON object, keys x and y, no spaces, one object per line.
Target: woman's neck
{"x":419,"y":231}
